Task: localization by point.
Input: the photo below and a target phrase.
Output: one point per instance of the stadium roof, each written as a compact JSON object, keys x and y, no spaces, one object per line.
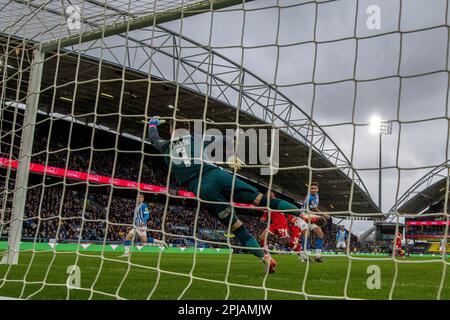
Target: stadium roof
{"x":428,"y":190}
{"x":188,"y":75}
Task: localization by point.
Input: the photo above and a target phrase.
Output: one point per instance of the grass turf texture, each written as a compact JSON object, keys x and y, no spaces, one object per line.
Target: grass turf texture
{"x":140,"y":278}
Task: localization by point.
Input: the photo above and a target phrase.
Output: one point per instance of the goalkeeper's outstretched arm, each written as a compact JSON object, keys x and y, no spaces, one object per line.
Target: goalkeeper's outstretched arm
{"x":153,"y":135}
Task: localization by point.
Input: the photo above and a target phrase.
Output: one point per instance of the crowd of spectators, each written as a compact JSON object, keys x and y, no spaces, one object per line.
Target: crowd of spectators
{"x":126,"y":165}
{"x":69,"y":215}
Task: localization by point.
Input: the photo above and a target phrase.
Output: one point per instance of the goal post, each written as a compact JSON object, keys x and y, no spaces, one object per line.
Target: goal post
{"x":11,"y":255}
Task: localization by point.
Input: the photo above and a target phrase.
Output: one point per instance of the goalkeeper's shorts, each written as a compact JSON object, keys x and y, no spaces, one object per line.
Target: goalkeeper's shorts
{"x":217,"y":185}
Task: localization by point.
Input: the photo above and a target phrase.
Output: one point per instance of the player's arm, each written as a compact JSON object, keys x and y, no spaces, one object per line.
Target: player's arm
{"x":153,"y":135}
{"x":146,"y":215}
{"x":310,"y":217}
{"x":324,"y":215}
{"x":264,"y":217}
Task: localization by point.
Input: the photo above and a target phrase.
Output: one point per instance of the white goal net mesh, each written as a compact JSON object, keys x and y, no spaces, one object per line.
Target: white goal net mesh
{"x":351,"y":95}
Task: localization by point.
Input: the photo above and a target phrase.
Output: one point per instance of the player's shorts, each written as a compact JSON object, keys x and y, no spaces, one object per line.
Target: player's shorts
{"x":341,"y":245}
{"x":312,"y":226}
{"x":302,"y":224}
{"x":280,"y":231}
{"x":142,"y":232}
{"x":442,"y":248}
{"x":216,"y":185}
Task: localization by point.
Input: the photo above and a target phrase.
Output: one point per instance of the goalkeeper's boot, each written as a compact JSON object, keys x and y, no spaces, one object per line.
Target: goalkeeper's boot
{"x":270,"y":263}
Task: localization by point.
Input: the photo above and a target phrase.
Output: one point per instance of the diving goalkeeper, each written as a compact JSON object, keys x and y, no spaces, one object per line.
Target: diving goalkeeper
{"x":211,"y":183}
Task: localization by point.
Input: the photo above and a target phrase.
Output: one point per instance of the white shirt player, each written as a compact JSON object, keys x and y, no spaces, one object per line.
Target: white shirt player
{"x":443,"y":247}
{"x":141,"y":216}
{"x":341,"y":236}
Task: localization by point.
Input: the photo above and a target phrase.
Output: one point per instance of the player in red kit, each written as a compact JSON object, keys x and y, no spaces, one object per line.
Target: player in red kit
{"x":278,"y":227}
{"x":398,"y":245}
{"x":289,"y":232}
{"x":295,"y":234}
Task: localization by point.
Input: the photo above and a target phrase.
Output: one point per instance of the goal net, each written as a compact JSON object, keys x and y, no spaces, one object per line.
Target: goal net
{"x":287,"y":100}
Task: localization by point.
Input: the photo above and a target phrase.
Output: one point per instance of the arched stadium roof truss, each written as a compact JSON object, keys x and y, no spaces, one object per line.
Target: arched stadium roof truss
{"x":176,"y":61}
{"x":426,"y":191}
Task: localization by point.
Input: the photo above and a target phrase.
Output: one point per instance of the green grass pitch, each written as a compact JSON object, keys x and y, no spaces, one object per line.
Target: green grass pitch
{"x":113,"y":276}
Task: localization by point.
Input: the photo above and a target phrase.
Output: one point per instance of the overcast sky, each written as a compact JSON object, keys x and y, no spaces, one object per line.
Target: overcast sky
{"x":415,"y":145}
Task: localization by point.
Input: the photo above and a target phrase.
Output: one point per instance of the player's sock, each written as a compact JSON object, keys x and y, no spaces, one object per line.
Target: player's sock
{"x":248,"y":241}
{"x":278,"y":204}
{"x":305,"y":245}
{"x":319,"y":247}
{"x":292,"y":245}
{"x":127,"y":244}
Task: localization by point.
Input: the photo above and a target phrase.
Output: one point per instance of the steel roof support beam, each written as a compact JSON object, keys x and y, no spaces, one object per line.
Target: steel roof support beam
{"x":139,"y":23}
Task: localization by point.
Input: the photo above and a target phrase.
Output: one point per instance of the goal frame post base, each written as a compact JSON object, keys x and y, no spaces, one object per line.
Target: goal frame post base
{"x":10,"y":258}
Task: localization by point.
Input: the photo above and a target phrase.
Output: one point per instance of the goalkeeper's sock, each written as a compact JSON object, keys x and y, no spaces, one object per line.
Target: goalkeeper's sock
{"x":127,"y":244}
{"x":319,"y":247}
{"x":248,"y":241}
{"x":278,"y":204}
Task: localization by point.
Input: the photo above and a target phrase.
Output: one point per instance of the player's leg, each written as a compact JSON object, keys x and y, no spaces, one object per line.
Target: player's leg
{"x":341,"y":245}
{"x":245,"y":193}
{"x":128,"y":241}
{"x":303,"y":242}
{"x":160,"y":243}
{"x":142,"y":232}
{"x":150,"y":240}
{"x":224,"y":214}
{"x":242,"y":234}
{"x":319,"y":241}
{"x":294,"y":233}
{"x":283,"y":234}
{"x":215,"y":187}
{"x":264,"y":238}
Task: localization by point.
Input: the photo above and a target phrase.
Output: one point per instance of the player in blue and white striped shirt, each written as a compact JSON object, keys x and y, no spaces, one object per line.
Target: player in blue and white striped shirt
{"x":141,"y":217}
{"x":312,"y":204}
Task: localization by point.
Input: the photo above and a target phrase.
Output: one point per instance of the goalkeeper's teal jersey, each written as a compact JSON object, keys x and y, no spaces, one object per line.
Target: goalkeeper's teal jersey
{"x":186,"y":157}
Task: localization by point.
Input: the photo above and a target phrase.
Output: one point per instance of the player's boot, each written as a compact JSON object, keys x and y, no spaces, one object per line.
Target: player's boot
{"x":164,"y":244}
{"x":304,"y":257}
{"x":270,"y":263}
{"x":318,"y":259}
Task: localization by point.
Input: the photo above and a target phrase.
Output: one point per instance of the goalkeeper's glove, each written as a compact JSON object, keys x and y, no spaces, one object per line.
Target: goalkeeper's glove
{"x":235,"y":163}
{"x":154,"y":122}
